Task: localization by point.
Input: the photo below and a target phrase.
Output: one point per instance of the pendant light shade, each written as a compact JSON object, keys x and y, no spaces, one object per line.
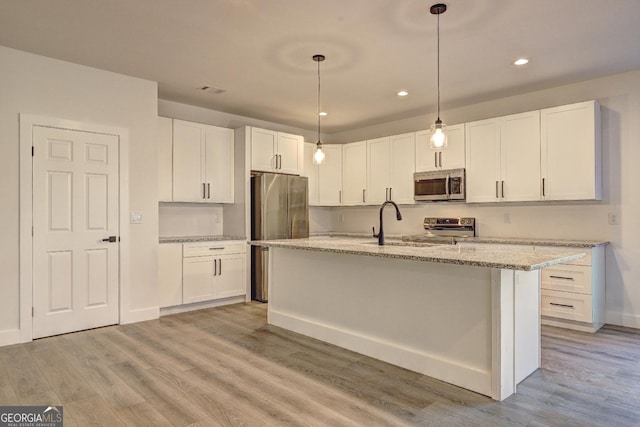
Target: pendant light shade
{"x":438,"y":138}
{"x":318,"y":155}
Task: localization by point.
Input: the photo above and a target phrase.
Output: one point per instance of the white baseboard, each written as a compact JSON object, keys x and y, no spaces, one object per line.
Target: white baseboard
{"x":424,"y":363}
{"x":200,"y":305}
{"x":140,"y":315}
{"x":621,"y":319}
{"x":9,"y":337}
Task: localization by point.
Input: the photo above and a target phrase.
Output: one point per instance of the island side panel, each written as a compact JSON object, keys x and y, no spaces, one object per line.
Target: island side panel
{"x":428,"y":317}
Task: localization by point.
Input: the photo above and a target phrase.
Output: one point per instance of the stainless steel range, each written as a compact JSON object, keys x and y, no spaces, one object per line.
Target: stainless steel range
{"x":444,"y":230}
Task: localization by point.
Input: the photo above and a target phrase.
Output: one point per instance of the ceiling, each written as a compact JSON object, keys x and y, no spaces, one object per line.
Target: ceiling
{"x":260,"y":51}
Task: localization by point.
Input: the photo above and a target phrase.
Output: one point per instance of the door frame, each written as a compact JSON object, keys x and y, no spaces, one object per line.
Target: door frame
{"x":27,"y":123}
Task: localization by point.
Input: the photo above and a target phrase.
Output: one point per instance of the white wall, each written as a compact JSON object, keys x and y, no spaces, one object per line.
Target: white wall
{"x":42,"y":86}
{"x":190,"y":219}
{"x":619,"y":96}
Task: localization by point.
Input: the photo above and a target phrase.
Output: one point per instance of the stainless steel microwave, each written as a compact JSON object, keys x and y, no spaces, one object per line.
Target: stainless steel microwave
{"x":443,"y":185}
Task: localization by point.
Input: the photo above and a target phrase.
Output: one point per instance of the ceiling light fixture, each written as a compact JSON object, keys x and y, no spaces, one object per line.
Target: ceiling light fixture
{"x":318,"y":156}
{"x":403,"y":93}
{"x":322,"y":113}
{"x":438,"y":136}
{"x":521,"y":61}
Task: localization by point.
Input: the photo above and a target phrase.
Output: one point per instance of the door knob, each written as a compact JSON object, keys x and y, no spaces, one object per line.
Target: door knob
{"x":111,"y":239}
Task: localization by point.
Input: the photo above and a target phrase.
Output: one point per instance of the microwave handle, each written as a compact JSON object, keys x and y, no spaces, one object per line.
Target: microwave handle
{"x":447,"y":185}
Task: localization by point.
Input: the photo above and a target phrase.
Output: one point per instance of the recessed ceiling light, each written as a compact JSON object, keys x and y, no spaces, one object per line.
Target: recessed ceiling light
{"x":521,"y":61}
{"x":212,"y":89}
{"x":403,"y":93}
{"x":322,"y":113}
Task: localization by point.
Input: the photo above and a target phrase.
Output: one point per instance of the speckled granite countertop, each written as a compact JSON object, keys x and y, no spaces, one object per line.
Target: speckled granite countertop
{"x":485,"y":255}
{"x":495,"y":240}
{"x":531,"y":241}
{"x":190,"y":239}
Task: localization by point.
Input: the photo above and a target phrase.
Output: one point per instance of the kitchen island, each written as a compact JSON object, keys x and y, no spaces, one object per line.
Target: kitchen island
{"x":469,"y":316}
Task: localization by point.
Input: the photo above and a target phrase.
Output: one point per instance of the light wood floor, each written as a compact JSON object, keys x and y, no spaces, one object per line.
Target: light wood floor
{"x":225,"y":366}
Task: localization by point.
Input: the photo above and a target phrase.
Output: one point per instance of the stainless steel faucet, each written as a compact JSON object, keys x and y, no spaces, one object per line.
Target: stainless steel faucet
{"x":380,"y":234}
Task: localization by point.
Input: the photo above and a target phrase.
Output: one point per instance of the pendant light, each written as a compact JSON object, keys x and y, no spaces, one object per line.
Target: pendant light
{"x":318,"y":156}
{"x":438,"y":136}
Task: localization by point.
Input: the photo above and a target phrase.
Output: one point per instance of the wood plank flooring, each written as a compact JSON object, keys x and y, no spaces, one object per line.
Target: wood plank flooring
{"x":225,"y":366}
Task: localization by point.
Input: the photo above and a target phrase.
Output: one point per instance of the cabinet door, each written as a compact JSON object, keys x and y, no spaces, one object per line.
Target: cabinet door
{"x":452,"y":157}
{"x":402,"y":168}
{"x":263,"y":149}
{"x":483,"y":160}
{"x":164,"y":139}
{"x":230,"y":278}
{"x":219,"y":164}
{"x":378,"y":171}
{"x":198,"y":274}
{"x":290,"y":151}
{"x":520,"y":157}
{"x":354,"y":173}
{"x":188,"y":162}
{"x":571,"y":152}
{"x":311,"y":172}
{"x":169,"y":274}
{"x":330,"y":176}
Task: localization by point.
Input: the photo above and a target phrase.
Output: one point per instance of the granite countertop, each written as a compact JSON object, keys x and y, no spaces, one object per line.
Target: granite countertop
{"x":190,"y":239}
{"x":477,"y":239}
{"x":486,"y":255}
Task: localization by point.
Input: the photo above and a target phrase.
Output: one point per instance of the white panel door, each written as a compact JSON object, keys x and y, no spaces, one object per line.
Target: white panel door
{"x":402,"y":168}
{"x":483,"y":160}
{"x":354,"y":173}
{"x":330,"y":176}
{"x":188,"y":162}
{"x":219,"y":162}
{"x":75,"y":207}
{"x":378,"y":171}
{"x":290,"y":152}
{"x":520,"y":157}
{"x":264,"y":144}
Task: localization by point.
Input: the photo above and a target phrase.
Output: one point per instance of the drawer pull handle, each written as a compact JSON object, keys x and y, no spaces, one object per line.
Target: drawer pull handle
{"x":561,"y":305}
{"x":562,"y":277}
{"x":216,"y":249}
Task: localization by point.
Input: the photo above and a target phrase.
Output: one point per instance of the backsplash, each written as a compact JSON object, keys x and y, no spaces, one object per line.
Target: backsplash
{"x":190,"y":219}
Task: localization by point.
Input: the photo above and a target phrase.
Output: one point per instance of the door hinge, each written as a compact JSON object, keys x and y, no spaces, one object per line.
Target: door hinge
{"x":31,"y":231}
{"x":33,"y":151}
{"x":33,"y":312}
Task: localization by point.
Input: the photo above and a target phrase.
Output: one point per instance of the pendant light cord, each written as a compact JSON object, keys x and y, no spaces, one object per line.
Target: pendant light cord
{"x":318,"y":101}
{"x":438,"y":62}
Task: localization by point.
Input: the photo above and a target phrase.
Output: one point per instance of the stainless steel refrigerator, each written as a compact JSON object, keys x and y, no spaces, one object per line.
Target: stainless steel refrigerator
{"x":279,"y":210}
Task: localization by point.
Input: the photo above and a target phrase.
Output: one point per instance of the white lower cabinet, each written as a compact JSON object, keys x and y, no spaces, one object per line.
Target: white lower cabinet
{"x":573,"y":294}
{"x":213,"y":270}
{"x":203,"y":271}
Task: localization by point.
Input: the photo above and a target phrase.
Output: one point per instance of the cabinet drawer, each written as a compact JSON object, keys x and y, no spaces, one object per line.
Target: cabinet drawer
{"x":567,"y":278}
{"x":566,"y":305}
{"x":213,"y":248}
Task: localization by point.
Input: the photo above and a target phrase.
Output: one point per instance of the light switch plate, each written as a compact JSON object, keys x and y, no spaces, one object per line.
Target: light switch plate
{"x":136,"y":217}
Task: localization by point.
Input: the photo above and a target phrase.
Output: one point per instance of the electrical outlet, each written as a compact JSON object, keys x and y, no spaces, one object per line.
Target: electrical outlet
{"x":136,"y":217}
{"x":341,"y":218}
{"x":216,"y":219}
{"x":507,"y":218}
{"x":613,"y":218}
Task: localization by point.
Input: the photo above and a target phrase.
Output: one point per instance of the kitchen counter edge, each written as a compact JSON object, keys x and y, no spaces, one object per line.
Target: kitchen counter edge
{"x":193,"y":239}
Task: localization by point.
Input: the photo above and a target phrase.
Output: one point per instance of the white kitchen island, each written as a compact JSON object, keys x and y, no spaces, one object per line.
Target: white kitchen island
{"x":469,"y":316}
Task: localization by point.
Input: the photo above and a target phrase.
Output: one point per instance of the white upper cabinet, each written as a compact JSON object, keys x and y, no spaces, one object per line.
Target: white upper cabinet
{"x":203,"y":159}
{"x":164,"y":140}
{"x":403,"y":149}
{"x":378,"y":171}
{"x":354,"y":173}
{"x":390,"y":169}
{"x":273,"y":151}
{"x":503,"y":158}
{"x":571,"y":152}
{"x":451,"y":157}
{"x":482,"y":160}
{"x":330,"y":176}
